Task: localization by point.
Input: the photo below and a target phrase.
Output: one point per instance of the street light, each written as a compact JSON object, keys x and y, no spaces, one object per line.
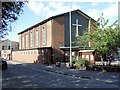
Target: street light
{"x":70,"y":36}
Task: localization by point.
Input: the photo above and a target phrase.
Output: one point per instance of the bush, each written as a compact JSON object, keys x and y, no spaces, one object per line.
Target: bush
{"x":117,"y":65}
{"x":81,"y":63}
{"x":73,"y":60}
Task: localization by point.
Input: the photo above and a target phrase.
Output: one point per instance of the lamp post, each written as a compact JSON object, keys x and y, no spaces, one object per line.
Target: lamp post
{"x":10,"y":43}
{"x":1,"y":45}
{"x":119,"y":13}
{"x":70,"y":35}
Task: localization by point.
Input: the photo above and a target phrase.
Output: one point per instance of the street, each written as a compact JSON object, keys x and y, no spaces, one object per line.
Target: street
{"x":28,"y":75}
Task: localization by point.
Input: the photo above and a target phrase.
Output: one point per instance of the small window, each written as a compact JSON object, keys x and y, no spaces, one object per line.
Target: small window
{"x":91,"y":57}
{"x":72,"y":53}
{"x":82,"y":56}
{"x":31,"y":52}
{"x":87,"y":57}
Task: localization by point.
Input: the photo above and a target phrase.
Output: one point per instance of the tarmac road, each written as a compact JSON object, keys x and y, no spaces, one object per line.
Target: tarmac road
{"x":27,"y":75}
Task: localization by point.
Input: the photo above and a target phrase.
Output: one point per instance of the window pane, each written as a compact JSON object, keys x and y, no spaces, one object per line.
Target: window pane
{"x":44,"y":35}
{"x":31,"y":39}
{"x":22,"y":41}
{"x":26,"y":40}
{"x":91,"y":57}
{"x":87,"y":57}
{"x":36,"y":37}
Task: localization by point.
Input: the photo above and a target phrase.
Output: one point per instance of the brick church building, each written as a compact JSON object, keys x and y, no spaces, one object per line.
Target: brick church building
{"x":48,"y":41}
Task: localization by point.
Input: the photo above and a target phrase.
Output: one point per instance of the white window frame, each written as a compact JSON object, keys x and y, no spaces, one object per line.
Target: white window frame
{"x":36,"y":37}
{"x":43,"y":35}
{"x":72,"y":53}
{"x":87,"y":57}
{"x":91,"y":57}
{"x":26,"y":40}
{"x":22,"y":41}
{"x":31,"y":38}
{"x":83,"y":56}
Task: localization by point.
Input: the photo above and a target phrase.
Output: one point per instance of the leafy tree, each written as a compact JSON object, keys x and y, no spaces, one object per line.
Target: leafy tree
{"x":10,"y":13}
{"x":106,"y":38}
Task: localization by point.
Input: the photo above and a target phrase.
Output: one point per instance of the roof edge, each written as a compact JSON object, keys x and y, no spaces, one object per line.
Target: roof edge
{"x":52,"y":17}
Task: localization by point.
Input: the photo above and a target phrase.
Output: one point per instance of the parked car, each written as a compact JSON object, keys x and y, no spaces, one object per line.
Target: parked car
{"x":3,"y":63}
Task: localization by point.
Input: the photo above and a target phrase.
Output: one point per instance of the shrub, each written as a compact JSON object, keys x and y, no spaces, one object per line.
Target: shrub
{"x":117,"y":65}
{"x":73,"y":60}
{"x":81,"y":63}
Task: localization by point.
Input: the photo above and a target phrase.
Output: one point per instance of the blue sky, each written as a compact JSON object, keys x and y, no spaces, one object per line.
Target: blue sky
{"x":36,"y":11}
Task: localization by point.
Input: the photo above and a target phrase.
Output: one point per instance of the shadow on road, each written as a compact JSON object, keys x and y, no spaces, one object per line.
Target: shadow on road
{"x":39,"y":76}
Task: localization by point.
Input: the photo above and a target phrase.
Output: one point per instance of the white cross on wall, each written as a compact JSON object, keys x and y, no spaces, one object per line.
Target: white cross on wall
{"x":77,"y":25}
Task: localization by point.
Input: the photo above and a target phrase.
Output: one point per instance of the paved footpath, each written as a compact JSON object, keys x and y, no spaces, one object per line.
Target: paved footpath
{"x":108,"y":78}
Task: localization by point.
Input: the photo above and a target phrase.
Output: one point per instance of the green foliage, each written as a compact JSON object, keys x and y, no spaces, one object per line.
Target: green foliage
{"x":81,"y":63}
{"x":10,"y":13}
{"x":106,"y":38}
{"x":73,"y":60}
{"x":118,"y":65}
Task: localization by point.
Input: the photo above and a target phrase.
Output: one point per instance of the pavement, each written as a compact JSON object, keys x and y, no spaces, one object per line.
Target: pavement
{"x":106,"y":77}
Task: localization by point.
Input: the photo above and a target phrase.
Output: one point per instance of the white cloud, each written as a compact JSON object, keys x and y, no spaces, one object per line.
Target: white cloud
{"x":50,"y":9}
{"x":110,"y":12}
{"x":35,"y":6}
{"x":94,"y":13}
{"x":94,"y":4}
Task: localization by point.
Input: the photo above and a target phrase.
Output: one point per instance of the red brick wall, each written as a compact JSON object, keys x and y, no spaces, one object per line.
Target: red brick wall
{"x":85,"y":54}
{"x":58,"y":38}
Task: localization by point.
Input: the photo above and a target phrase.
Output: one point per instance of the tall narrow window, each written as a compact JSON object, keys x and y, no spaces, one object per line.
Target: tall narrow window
{"x":22,"y":41}
{"x":43,"y":35}
{"x":31,"y":39}
{"x":26,"y":40}
{"x":36,"y":37}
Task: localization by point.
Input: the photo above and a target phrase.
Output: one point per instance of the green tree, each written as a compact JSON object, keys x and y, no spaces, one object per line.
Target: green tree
{"x":10,"y":13}
{"x":106,"y":38}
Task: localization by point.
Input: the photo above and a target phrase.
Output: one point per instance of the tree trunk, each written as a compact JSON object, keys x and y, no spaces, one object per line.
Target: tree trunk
{"x":102,"y":61}
{"x":111,"y":58}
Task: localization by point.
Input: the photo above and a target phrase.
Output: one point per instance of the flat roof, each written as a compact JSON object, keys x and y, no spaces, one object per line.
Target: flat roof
{"x":33,"y":48}
{"x":86,"y":51}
